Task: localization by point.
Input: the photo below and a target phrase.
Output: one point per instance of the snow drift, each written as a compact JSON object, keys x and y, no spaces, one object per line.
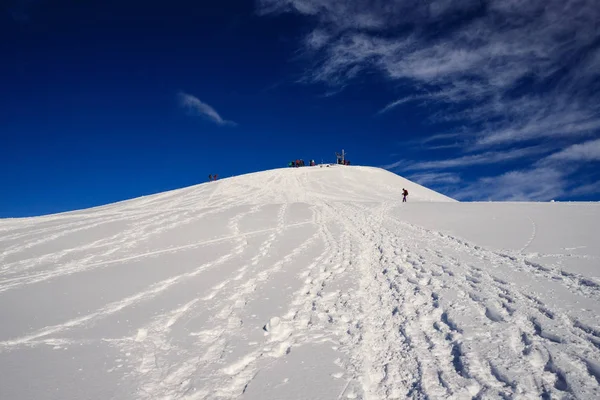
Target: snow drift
{"x":302,"y":283}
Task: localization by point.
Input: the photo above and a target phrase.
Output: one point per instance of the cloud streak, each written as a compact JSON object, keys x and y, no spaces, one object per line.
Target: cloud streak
{"x":521,"y":185}
{"x":512,"y":73}
{"x":588,"y":151}
{"x":197,"y":107}
{"x":432,"y":178}
{"x":486,"y":158}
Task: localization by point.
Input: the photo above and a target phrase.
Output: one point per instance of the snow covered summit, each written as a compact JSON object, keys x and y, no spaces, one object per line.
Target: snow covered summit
{"x":309,"y":283}
{"x":289,"y":185}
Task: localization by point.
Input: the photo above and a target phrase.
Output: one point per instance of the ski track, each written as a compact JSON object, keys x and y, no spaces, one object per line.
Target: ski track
{"x":499,"y":304}
{"x":123,"y":240}
{"x":576,"y":283}
{"x":532,"y":237}
{"x":407,"y":317}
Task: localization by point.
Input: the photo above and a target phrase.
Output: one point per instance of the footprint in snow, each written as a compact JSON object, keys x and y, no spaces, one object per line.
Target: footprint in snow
{"x":500,"y":281}
{"x":272,"y":324}
{"x":142,"y":334}
{"x":493,"y":315}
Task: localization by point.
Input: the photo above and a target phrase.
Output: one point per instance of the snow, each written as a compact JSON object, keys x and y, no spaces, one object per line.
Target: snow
{"x":309,"y":283}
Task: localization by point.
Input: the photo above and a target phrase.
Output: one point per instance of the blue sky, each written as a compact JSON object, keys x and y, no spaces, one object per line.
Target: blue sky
{"x":481,"y":100}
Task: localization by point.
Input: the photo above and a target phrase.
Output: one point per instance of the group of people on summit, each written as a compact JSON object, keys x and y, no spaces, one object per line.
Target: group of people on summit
{"x":300,"y":163}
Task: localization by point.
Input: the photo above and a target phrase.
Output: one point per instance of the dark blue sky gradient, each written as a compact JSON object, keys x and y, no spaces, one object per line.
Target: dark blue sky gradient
{"x":89,"y":112}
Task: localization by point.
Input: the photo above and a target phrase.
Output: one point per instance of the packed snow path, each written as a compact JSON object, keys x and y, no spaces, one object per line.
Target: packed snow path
{"x":313,"y":283}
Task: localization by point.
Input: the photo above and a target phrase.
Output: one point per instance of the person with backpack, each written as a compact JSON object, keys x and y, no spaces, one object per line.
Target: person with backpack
{"x":210,"y":178}
{"x":404,"y":194}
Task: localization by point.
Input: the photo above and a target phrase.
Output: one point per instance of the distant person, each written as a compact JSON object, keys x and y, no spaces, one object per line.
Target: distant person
{"x":404,"y":194}
{"x":215,"y":176}
{"x":210,"y":178}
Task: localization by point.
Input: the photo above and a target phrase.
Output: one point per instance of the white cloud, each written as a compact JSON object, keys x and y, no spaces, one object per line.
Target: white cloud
{"x":440,"y":137}
{"x":317,"y":39}
{"x":396,"y":165}
{"x":477,"y":159}
{"x":193,"y":104}
{"x":551,"y":177}
{"x":432,"y":178}
{"x":587,"y":151}
{"x":539,"y":184}
{"x":584,"y":190}
{"x":512,"y":72}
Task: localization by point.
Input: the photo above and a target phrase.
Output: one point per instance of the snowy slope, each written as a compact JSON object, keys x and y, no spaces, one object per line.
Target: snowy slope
{"x":311,"y":283}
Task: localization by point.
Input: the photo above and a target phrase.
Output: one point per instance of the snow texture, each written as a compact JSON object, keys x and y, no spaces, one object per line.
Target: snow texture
{"x":309,"y":283}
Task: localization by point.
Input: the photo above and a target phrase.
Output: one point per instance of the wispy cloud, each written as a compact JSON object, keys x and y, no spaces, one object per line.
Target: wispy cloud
{"x":588,"y":151}
{"x":587,"y":189}
{"x":401,"y":101}
{"x":512,"y":73}
{"x":197,"y":107}
{"x":542,"y":183}
{"x":433,"y":178}
{"x":491,"y":157}
{"x":395,"y":165}
{"x":522,"y":185}
{"x":550,"y":178}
